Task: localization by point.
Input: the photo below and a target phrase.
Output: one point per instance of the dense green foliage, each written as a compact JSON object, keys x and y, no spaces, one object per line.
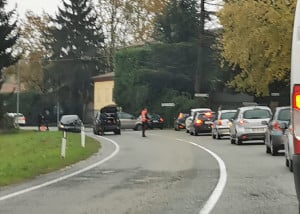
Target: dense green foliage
{"x":27,"y":154}
{"x":180,"y":21}
{"x":76,"y":43}
{"x":159,"y":73}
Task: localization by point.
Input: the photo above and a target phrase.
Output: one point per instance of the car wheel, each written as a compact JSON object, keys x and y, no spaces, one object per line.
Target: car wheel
{"x":138,"y":127}
{"x":268,"y":150}
{"x":213,"y":135}
{"x":218,"y":136}
{"x":287,"y":163}
{"x":291,"y":166}
{"x":274,"y":151}
{"x":232,"y":140}
{"x":238,"y":141}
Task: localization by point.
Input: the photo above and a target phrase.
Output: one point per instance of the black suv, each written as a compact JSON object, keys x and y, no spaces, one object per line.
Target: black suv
{"x":107,"y":120}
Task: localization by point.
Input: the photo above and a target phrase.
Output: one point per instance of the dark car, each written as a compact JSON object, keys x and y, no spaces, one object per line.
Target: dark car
{"x":70,"y":123}
{"x":274,"y":133}
{"x":107,"y":120}
{"x":202,"y":122}
{"x":154,"y":121}
{"x":179,"y":122}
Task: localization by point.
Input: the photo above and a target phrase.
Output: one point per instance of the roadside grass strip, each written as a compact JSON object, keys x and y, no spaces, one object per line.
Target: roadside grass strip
{"x":115,"y":152}
{"x":27,"y":154}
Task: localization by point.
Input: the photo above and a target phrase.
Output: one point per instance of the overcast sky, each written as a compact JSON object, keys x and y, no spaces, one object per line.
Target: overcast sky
{"x":37,"y":6}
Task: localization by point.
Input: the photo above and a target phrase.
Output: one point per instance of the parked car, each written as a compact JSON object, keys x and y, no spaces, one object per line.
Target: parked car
{"x":189,"y":119}
{"x":287,"y":139}
{"x":220,"y":126}
{"x":19,"y":118}
{"x":155,"y":121}
{"x":179,"y":122}
{"x":107,"y":120}
{"x":128,"y":121}
{"x":249,"y":123}
{"x":202,"y":122}
{"x":273,"y":137}
{"x":70,"y":123}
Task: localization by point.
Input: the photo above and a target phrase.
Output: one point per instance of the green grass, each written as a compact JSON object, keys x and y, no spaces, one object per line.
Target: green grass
{"x":26,"y":154}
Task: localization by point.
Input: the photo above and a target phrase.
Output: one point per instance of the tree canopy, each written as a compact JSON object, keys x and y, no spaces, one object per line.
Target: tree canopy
{"x":76,"y":42}
{"x":257,"y":40}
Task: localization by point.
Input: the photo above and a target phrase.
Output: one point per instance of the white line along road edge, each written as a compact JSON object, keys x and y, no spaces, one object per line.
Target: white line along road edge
{"x":115,"y":152}
{"x":216,"y":194}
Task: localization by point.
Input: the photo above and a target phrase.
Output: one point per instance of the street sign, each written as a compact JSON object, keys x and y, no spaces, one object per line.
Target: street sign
{"x":167,"y":104}
{"x":275,"y":94}
{"x":201,"y":95}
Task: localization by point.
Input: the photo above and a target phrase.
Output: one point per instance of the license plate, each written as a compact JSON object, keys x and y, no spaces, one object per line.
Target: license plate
{"x":208,"y":122}
{"x":155,"y":121}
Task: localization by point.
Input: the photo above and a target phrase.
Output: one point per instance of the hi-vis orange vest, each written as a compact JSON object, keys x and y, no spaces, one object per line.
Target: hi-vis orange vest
{"x":144,"y":115}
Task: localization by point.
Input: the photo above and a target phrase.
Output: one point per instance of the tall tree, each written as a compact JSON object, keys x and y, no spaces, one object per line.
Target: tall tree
{"x":76,"y":43}
{"x":127,"y":23}
{"x":185,"y":21}
{"x":257,"y":40}
{"x":8,"y":38}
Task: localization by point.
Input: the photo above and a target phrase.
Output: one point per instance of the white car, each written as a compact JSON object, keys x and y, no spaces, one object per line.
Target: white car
{"x":188,"y":120}
{"x":220,"y":126}
{"x":19,"y":118}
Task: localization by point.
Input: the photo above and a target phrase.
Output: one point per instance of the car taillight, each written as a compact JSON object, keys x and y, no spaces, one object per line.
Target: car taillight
{"x":296,"y":117}
{"x":161,"y":120}
{"x":198,"y":122}
{"x":220,"y":122}
{"x":276,"y":126}
{"x":242,"y":122}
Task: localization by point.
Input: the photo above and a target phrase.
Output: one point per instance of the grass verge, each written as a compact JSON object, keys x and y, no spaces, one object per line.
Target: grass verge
{"x":26,"y":154}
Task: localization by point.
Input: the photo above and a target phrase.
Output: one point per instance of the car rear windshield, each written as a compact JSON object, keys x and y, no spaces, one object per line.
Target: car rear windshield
{"x":68,"y":118}
{"x":257,"y":114}
{"x":227,"y":115}
{"x":284,"y":114}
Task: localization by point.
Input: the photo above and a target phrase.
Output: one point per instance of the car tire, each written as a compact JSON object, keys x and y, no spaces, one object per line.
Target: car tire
{"x":232,"y":140}
{"x":118,"y":132}
{"x":291,"y":166}
{"x":268,"y":150}
{"x":138,"y":127}
{"x":213,"y":135}
{"x":238,"y":141}
{"x":218,"y":136}
{"x":274,"y":150}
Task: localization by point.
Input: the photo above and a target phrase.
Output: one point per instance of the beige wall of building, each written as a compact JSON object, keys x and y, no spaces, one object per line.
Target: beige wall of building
{"x":103,"y":90}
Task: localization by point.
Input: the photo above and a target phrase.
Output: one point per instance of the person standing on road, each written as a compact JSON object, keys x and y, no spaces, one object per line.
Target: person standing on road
{"x":145,"y":118}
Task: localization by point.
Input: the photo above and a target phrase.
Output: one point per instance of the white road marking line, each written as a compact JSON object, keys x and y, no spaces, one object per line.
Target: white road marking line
{"x":216,"y":194}
{"x":117,"y":149}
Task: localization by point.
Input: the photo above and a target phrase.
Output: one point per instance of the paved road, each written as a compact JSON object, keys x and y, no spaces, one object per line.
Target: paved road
{"x":162,"y":173}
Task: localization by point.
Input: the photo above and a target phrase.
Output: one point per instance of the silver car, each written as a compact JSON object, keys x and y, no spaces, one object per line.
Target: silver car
{"x":274,"y":131}
{"x":128,"y":121}
{"x":288,"y":142}
{"x":220,"y":126}
{"x":249,"y":124}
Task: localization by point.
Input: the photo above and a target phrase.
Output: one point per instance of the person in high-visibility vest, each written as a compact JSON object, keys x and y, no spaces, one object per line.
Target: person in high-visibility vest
{"x":145,"y":118}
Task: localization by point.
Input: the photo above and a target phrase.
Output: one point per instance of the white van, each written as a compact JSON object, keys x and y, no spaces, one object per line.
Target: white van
{"x":295,"y":98}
